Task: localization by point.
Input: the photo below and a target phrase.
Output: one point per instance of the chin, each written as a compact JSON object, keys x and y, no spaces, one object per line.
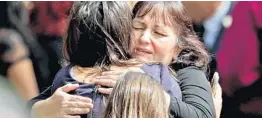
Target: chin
{"x":142,"y":59}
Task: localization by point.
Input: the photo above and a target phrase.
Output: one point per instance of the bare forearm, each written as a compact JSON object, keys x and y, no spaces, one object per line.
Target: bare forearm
{"x":22,"y":77}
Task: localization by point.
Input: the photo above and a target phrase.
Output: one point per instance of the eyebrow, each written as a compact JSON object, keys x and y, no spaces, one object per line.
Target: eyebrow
{"x":139,"y":21}
{"x":162,"y":27}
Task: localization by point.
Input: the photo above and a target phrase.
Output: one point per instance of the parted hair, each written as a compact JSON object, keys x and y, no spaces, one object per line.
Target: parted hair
{"x":137,"y":95}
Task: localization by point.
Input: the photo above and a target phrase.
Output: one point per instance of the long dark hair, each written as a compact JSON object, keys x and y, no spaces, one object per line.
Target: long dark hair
{"x":193,"y":52}
{"x":98,"y":33}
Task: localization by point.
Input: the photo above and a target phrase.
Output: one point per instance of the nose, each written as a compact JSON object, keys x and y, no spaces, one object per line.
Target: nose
{"x":146,"y":37}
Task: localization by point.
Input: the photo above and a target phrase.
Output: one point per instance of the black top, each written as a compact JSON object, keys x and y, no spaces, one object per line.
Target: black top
{"x":196,"y":100}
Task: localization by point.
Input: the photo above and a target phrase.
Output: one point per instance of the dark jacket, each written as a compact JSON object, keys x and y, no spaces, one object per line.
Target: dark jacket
{"x":157,"y":71}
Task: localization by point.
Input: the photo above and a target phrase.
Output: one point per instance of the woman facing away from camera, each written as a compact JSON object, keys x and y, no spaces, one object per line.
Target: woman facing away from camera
{"x":161,"y":33}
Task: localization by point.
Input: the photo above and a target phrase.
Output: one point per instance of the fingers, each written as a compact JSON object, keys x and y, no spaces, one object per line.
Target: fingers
{"x":105,"y":82}
{"x":218,"y":92}
{"x":112,"y":77}
{"x":106,"y":73}
{"x":69,"y":87}
{"x":78,"y":105}
{"x":70,"y":116}
{"x":105,"y":90}
{"x":216,"y":78}
{"x":77,"y":110}
{"x":73,"y":98}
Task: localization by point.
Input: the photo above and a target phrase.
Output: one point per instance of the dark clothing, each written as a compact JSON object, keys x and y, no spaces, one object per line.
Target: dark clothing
{"x":12,"y":49}
{"x":200,"y":30}
{"x":197,"y":101}
{"x":49,"y":21}
{"x":52,"y":45}
{"x":157,"y":71}
{"x":196,"y":96}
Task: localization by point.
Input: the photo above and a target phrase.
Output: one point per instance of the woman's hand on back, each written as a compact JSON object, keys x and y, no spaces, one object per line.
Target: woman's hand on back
{"x":108,"y":79}
{"x":62,"y":105}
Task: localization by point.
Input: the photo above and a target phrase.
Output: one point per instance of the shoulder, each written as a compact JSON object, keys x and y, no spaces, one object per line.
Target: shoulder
{"x":191,"y":71}
{"x":192,"y":75}
{"x":64,"y":71}
{"x":154,"y":70}
{"x":62,"y":77}
{"x":162,"y":74}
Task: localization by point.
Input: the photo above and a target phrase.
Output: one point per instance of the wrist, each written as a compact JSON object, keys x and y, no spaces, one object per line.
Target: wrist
{"x":38,"y":109}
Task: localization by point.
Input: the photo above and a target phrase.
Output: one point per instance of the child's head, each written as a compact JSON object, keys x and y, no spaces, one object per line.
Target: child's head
{"x":137,"y":95}
{"x":98,"y":33}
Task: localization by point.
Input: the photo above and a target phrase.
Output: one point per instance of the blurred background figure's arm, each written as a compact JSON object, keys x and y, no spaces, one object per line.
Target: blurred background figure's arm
{"x":11,"y":104}
{"x":18,"y":66}
{"x":22,"y":77}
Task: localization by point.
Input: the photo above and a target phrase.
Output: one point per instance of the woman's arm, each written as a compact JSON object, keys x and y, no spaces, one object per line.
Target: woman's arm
{"x":21,"y":75}
{"x":197,"y":101}
{"x":60,"y":104}
{"x":42,"y":96}
{"x":20,"y":70}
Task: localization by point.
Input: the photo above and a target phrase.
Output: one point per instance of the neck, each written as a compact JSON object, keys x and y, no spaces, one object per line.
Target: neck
{"x":87,"y":74}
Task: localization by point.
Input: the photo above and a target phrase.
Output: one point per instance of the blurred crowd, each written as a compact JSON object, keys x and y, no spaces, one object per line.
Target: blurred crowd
{"x":31,"y":38}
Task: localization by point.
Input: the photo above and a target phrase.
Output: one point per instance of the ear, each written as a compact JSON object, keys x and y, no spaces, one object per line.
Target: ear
{"x":176,"y":53}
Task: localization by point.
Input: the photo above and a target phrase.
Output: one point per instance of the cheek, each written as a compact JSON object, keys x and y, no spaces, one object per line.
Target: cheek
{"x":164,"y":46}
{"x":164,"y":50}
{"x":132,"y":40}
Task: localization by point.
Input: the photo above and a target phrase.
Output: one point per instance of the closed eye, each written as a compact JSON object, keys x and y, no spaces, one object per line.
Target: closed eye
{"x":138,"y":28}
{"x":160,"y":34}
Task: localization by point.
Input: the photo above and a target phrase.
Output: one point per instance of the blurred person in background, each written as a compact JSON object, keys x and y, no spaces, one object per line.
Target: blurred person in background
{"x":238,"y":55}
{"x":208,"y":17}
{"x":239,"y":61}
{"x":49,"y":21}
{"x":11,"y":103}
{"x":15,"y":38}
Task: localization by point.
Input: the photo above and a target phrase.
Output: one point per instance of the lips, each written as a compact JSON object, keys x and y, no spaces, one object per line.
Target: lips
{"x":142,"y":50}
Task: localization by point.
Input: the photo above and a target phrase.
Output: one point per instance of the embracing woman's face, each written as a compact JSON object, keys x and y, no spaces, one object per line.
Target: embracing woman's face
{"x":153,"y":41}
